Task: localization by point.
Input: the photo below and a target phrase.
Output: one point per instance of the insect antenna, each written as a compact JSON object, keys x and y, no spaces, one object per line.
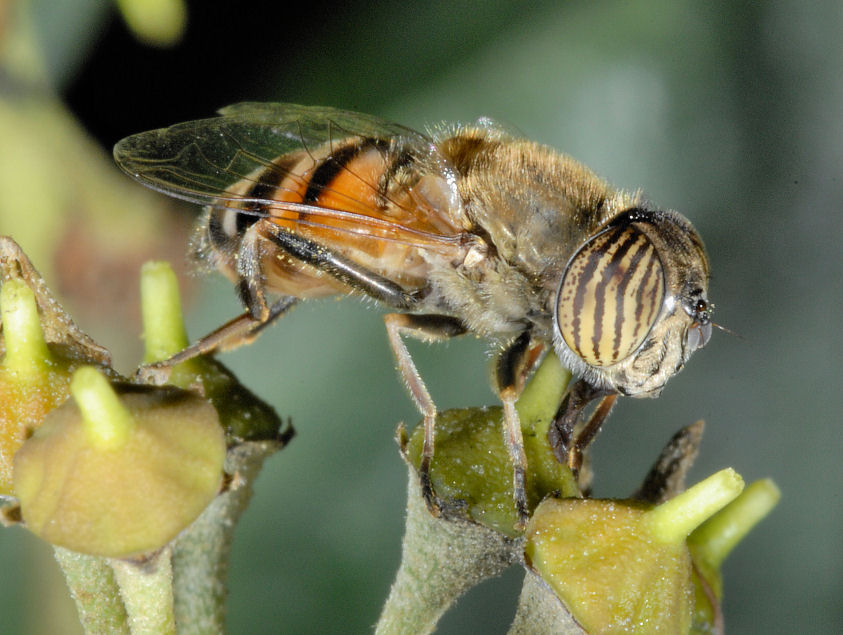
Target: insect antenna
{"x":728,"y":330}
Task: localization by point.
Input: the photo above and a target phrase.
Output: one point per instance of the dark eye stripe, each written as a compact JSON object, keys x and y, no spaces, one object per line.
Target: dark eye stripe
{"x":611,"y":271}
{"x":610,"y":296}
{"x":651,"y":294}
{"x":588,"y":268}
{"x":642,"y":249}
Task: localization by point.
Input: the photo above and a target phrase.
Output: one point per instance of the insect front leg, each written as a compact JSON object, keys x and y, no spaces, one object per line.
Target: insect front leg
{"x":428,"y":328}
{"x":510,"y":371}
{"x":567,"y":448}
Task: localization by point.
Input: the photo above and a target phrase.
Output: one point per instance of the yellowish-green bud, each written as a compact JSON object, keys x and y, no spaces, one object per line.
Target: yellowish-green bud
{"x":619,"y":566}
{"x":157,"y":22}
{"x":608,"y":570}
{"x":119,"y":474}
{"x":40,"y":346}
{"x":32,"y":380}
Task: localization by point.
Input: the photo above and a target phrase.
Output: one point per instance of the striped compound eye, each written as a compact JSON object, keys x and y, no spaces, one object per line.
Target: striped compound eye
{"x":611,"y":295}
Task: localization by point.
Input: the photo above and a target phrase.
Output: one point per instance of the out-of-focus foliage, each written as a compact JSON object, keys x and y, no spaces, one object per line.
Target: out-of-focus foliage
{"x":728,"y":112}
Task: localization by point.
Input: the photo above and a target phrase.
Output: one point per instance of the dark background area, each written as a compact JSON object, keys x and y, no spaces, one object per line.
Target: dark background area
{"x":728,"y":112}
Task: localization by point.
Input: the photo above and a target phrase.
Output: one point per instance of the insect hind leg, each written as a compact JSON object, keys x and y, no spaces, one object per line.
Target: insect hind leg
{"x":237,"y":332}
{"x":340,"y":267}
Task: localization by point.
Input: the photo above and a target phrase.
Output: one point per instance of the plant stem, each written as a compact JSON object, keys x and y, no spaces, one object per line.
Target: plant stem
{"x":441,"y":560}
{"x":147,"y":591}
{"x":201,"y":552}
{"x":94,"y":589}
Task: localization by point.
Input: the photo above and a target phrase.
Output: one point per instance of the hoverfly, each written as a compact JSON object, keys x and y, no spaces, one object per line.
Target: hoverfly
{"x":465,"y":230}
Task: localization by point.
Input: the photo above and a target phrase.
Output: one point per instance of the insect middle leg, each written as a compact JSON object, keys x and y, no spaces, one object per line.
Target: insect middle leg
{"x":428,"y":328}
{"x":510,"y":371}
{"x":424,"y":327}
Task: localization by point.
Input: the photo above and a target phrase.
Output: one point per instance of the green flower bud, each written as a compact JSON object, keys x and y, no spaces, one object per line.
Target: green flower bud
{"x":471,"y":465}
{"x":619,"y":566}
{"x":119,"y":471}
{"x":32,"y":380}
{"x":39,"y":348}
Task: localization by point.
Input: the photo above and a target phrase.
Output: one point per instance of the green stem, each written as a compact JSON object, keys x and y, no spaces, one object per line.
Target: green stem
{"x":94,"y":589}
{"x":147,"y":592}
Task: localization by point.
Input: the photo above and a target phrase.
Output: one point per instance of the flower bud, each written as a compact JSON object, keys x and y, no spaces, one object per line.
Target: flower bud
{"x":472,"y":467}
{"x":242,"y":414}
{"x":119,"y":470}
{"x":32,"y":380}
{"x":619,"y":566}
{"x":39,"y":348}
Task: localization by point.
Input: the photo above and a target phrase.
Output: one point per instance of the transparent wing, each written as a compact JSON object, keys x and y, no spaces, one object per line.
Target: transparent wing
{"x":199,"y":160}
{"x":218,"y":162}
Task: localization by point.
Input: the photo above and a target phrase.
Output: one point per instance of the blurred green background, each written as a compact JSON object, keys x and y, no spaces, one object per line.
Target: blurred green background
{"x":730,"y":112}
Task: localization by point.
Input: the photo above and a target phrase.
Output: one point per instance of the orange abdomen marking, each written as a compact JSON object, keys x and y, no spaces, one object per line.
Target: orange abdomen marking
{"x":340,"y":195}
